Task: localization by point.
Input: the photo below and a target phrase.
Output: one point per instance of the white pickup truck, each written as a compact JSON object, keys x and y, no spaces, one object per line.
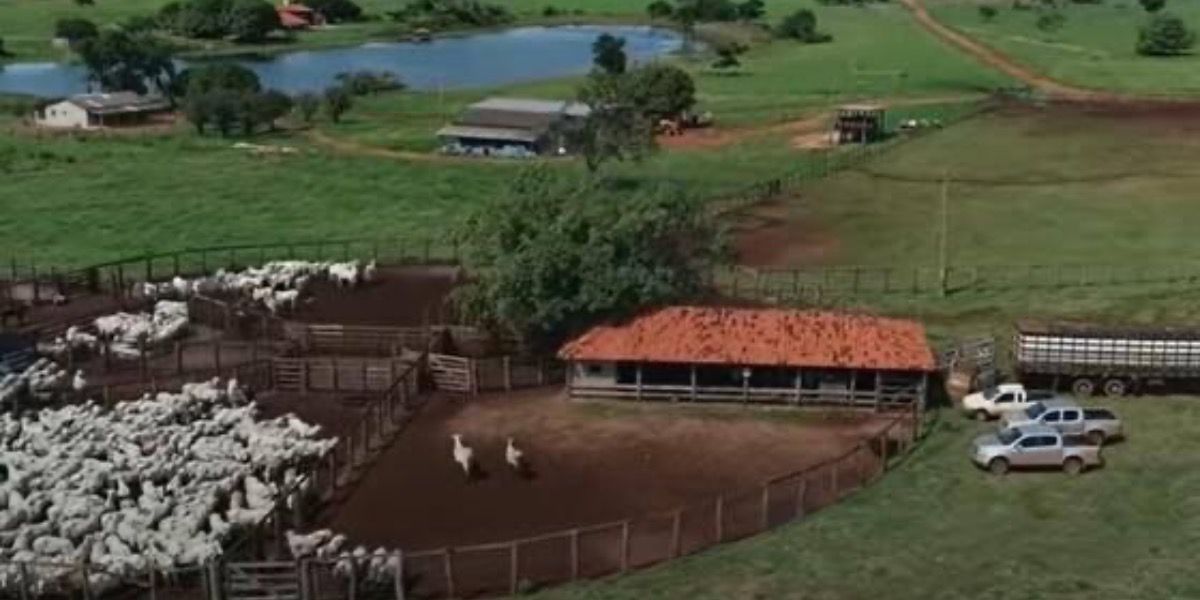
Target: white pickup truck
{"x":1035,"y":446}
{"x":1005,"y":398}
{"x":1098,"y":424}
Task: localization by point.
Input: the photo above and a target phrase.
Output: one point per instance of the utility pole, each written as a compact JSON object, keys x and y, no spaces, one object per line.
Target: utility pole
{"x":943,"y":235}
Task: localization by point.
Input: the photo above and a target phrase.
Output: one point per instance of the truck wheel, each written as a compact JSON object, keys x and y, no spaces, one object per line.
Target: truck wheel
{"x":981,"y":415}
{"x":1096,"y":438}
{"x":998,"y":466}
{"x":1115,"y":388}
{"x":1083,"y":387}
{"x":1073,"y":466}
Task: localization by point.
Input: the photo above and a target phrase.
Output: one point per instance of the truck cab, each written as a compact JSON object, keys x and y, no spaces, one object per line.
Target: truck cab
{"x":1098,"y":424}
{"x":1002,"y":399}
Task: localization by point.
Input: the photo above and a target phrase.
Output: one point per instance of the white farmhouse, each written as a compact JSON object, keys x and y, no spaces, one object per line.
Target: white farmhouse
{"x":89,"y":111}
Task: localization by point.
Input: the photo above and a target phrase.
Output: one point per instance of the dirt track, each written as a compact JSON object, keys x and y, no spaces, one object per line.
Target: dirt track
{"x":1053,"y":88}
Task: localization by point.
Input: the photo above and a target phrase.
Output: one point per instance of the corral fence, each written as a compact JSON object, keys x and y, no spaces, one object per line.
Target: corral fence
{"x":817,"y":285}
{"x":468,"y":375}
{"x":306,"y":374}
{"x":515,"y":566}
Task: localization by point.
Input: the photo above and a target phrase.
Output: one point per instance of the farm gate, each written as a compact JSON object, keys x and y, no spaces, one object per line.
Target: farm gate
{"x":276,"y":580}
{"x":336,"y":374}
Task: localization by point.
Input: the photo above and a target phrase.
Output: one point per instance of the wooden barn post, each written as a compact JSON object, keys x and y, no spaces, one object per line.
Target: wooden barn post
{"x":676,"y":532}
{"x":766,"y":505}
{"x":720,"y":519}
{"x":575,"y":554}
{"x":399,"y":575}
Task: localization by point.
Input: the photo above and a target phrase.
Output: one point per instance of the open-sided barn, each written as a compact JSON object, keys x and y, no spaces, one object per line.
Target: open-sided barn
{"x":760,"y":355}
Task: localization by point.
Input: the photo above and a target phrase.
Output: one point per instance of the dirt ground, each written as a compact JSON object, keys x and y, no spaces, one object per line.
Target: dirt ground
{"x":779,"y":234}
{"x":591,"y":463}
{"x":401,"y":296}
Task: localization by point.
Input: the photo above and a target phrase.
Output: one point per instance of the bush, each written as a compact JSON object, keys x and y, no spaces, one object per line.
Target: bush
{"x":337,"y":102}
{"x":75,"y":30}
{"x":337,"y":11}
{"x":1153,"y":6}
{"x":1165,"y":35}
{"x":217,"y":76}
{"x":1051,"y":21}
{"x":252,"y":20}
{"x":246,"y":20}
{"x":988,"y":13}
{"x":802,"y":26}
{"x":362,"y":83}
{"x":751,"y":10}
{"x":708,"y":10}
{"x":450,"y":14}
{"x":307,"y":104}
{"x":660,"y":9}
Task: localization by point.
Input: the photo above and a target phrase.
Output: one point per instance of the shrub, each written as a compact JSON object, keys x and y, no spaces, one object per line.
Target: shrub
{"x":988,"y":13}
{"x":75,"y":30}
{"x":802,"y":26}
{"x":1165,"y":35}
{"x":1051,"y":21}
{"x":1153,"y":6}
{"x":337,"y":11}
{"x":659,"y":9}
{"x":363,"y":83}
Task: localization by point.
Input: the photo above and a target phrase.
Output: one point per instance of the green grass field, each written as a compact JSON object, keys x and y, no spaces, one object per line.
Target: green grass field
{"x":1094,"y":49}
{"x":938,"y":528}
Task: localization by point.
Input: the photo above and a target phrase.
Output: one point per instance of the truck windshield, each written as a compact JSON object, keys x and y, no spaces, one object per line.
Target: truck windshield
{"x":1035,"y":410}
{"x":1008,"y":436}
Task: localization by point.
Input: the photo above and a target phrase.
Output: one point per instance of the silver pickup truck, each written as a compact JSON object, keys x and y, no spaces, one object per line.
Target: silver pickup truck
{"x":1098,"y":424}
{"x":1034,"y":446}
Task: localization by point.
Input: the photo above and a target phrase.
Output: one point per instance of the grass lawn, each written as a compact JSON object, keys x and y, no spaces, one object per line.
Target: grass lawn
{"x":1095,"y":48}
{"x":940,"y":528}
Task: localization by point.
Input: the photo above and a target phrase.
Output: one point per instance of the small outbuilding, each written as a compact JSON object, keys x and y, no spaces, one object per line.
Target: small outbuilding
{"x":294,"y":16}
{"x":859,"y":124}
{"x":690,"y":353}
{"x":514,"y":127}
{"x":90,"y":111}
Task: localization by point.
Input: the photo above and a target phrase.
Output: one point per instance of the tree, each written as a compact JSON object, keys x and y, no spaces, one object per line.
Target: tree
{"x":616,"y":129}
{"x":362,"y":83}
{"x":751,"y":10}
{"x":1051,"y":21}
{"x":988,"y":13}
{"x":337,"y":11}
{"x":252,"y":20}
{"x":85,"y":2}
{"x":552,"y":256}
{"x":307,"y":104}
{"x":660,"y":90}
{"x":1165,"y":35}
{"x":218,"y":76}
{"x":268,"y":107}
{"x":337,"y":102}
{"x":802,"y":26}
{"x":120,"y":61}
{"x":75,"y":30}
{"x":608,"y":54}
{"x":727,"y":57}
{"x":3,"y":50}
{"x":1153,"y":6}
{"x":197,"y":109}
{"x":659,"y":9}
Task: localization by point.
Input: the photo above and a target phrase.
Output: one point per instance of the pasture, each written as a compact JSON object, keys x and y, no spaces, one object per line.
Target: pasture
{"x":1094,"y":48}
{"x":938,"y":527}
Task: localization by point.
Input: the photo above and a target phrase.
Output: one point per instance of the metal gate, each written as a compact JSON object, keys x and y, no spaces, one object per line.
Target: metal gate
{"x":452,"y":373}
{"x":261,"y":581}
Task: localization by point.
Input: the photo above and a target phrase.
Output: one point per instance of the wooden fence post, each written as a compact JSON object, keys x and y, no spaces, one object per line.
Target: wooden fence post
{"x":766,"y":505}
{"x":625,"y":546}
{"x":25,"y":593}
{"x":507,"y":373}
{"x":574,"y":554}
{"x":448,"y":569}
{"x":217,"y":356}
{"x":676,"y":533}
{"x":720,"y":518}
{"x":513,"y":567}
{"x":801,"y":488}
{"x":179,"y":358}
{"x":142,"y":367}
{"x":399,"y":575}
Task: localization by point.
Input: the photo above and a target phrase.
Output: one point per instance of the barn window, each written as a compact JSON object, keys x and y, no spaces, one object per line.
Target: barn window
{"x":595,"y":369}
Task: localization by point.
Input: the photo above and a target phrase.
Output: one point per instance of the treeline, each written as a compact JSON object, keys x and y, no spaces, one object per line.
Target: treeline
{"x":451,"y":14}
{"x":800,"y":25}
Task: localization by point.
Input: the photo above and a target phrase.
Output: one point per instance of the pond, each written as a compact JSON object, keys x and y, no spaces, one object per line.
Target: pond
{"x":477,"y":60}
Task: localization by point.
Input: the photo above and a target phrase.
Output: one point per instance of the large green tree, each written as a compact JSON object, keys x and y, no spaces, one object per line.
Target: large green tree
{"x":616,"y":129}
{"x":117,"y":60}
{"x":75,"y":30}
{"x":660,"y":90}
{"x":1165,"y":35}
{"x":608,"y":54}
{"x":252,"y":20}
{"x":552,"y":256}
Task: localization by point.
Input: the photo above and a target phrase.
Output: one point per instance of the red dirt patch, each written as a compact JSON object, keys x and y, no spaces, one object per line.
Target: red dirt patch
{"x":401,"y":296}
{"x":590,"y":467}
{"x":774,"y":234}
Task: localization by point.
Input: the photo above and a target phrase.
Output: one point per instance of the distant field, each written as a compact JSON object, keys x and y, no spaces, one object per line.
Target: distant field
{"x":1094,"y":49}
{"x":938,"y":528}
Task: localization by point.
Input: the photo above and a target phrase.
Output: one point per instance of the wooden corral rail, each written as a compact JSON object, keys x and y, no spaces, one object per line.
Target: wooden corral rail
{"x":356,"y":339}
{"x":625,"y":545}
{"x":465,"y":375}
{"x":336,"y":374}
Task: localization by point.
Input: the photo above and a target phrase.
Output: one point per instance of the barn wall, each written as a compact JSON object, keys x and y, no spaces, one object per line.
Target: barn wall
{"x":593,"y":373}
{"x":62,"y":114}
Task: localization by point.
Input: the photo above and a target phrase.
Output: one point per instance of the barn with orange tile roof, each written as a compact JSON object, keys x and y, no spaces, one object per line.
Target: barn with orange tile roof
{"x":751,"y":354}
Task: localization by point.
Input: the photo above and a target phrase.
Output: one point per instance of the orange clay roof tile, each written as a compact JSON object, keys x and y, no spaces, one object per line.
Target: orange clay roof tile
{"x":758,"y":337}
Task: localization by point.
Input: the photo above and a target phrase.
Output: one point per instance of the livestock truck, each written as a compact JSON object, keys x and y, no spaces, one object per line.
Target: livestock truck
{"x":1088,"y":359}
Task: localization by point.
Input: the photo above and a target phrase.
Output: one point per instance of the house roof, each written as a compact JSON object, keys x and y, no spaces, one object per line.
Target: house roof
{"x":292,"y":20}
{"x":118,"y":102}
{"x":488,"y":133}
{"x":758,"y":337}
{"x":529,"y":105}
{"x":294,"y":8}
{"x":477,"y":117}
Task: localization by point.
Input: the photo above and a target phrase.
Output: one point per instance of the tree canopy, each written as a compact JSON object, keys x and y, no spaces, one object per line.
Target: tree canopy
{"x":337,"y":11}
{"x":616,"y":129}
{"x":659,"y":9}
{"x":244,"y":20}
{"x":121,"y":61}
{"x":1153,"y":6}
{"x":608,"y":54}
{"x":552,"y":256}
{"x":802,"y":26}
{"x":75,"y":29}
{"x":1165,"y":35}
{"x":660,"y":90}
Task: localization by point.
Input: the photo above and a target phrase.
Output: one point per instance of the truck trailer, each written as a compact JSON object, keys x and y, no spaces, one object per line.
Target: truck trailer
{"x":1116,"y":360}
